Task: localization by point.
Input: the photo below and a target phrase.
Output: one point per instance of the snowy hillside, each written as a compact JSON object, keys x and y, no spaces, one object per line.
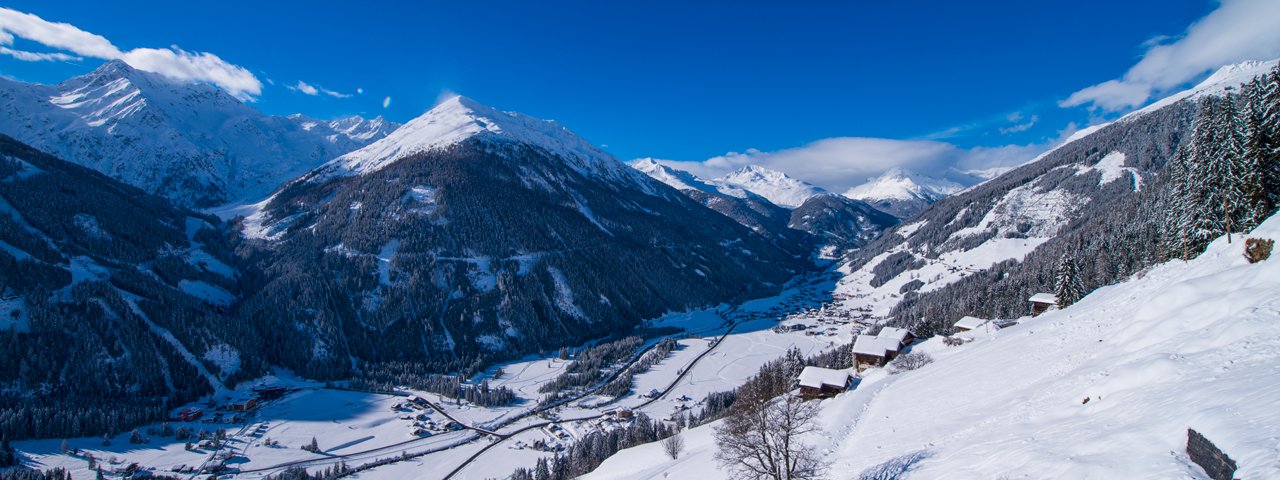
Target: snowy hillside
{"x":682,"y":180}
{"x":903,"y":192}
{"x":778,"y":187}
{"x":190,"y":142}
{"x":1106,"y":388}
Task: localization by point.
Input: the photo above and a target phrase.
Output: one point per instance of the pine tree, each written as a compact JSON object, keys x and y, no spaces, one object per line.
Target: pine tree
{"x":1067,"y":285}
{"x":1269,"y":124}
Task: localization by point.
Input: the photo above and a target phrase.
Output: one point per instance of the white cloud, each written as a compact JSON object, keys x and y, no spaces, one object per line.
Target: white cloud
{"x":172,"y":62}
{"x":37,"y":56}
{"x":1237,"y":30}
{"x":314,"y":90}
{"x":840,"y":163}
{"x":1019,"y":127}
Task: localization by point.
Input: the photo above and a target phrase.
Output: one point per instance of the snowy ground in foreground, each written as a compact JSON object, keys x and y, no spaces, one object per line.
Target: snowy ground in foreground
{"x":1189,"y":345}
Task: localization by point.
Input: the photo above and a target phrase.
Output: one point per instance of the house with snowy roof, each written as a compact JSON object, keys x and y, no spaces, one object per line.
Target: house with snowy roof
{"x":873,"y":351}
{"x":1042,"y":302}
{"x":817,"y":382}
{"x":902,"y":336}
{"x":969,"y":323}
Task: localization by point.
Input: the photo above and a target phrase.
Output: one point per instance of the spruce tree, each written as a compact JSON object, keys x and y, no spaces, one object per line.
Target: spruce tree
{"x":1067,"y":285}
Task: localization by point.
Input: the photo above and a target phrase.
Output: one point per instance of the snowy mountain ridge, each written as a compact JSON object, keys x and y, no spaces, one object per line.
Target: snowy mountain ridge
{"x":458,"y":119}
{"x":780,"y":188}
{"x":188,"y":141}
{"x":902,"y":184}
{"x":682,"y":180}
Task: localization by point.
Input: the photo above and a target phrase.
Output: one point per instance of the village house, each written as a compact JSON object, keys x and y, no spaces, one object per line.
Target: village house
{"x":901,"y":336}
{"x":1042,"y":302}
{"x":189,"y":414}
{"x":873,"y":351}
{"x":243,"y":403}
{"x":817,"y":382}
{"x":969,"y":323}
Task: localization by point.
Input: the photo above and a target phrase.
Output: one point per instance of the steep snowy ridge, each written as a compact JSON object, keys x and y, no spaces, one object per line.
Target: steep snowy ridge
{"x":905,"y":193}
{"x":682,"y":180}
{"x":355,"y":129}
{"x":458,"y":119}
{"x":778,"y":187}
{"x":901,"y":184}
{"x":190,"y":142}
{"x":1227,"y":78}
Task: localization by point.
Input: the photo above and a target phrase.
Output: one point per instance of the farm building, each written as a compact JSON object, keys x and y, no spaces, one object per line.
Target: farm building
{"x":270,"y":393}
{"x":243,"y":403}
{"x":873,"y":351}
{"x":969,"y":323}
{"x":189,"y":414}
{"x":1042,"y":302}
{"x":817,"y":382}
{"x":902,"y":336}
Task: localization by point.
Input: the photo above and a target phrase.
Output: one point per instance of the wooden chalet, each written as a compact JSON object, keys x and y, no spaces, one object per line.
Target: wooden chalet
{"x":873,"y":351}
{"x":901,"y":336}
{"x":969,"y":323}
{"x":1042,"y":302}
{"x":817,"y":382}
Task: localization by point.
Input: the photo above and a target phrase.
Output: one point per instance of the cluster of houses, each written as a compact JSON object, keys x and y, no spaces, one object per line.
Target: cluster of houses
{"x":1040,"y":303}
{"x":877,"y":350}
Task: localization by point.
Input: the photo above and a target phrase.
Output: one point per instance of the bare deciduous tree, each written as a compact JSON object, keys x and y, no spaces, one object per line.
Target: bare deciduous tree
{"x":761,"y":439}
{"x":673,"y":445}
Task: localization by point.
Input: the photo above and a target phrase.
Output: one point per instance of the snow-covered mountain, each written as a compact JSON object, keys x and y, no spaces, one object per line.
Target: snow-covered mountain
{"x":190,"y":142}
{"x":459,"y":119}
{"x":902,"y":192}
{"x":830,"y":219}
{"x":778,"y":187}
{"x":472,"y":234}
{"x":351,"y":132}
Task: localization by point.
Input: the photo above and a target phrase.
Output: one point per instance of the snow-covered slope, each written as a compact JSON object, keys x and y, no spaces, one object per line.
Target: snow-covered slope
{"x":902,"y":192}
{"x":1225,"y":78}
{"x":459,"y":119}
{"x":1106,"y":388}
{"x":682,"y":180}
{"x":354,"y":131}
{"x":190,"y":142}
{"x":778,"y":187}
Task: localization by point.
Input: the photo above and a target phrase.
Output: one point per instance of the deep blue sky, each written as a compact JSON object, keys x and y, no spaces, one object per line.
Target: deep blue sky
{"x":664,"y":79}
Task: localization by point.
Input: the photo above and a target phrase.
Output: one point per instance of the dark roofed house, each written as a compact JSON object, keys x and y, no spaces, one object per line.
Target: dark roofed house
{"x":817,"y":382}
{"x":1042,"y":302}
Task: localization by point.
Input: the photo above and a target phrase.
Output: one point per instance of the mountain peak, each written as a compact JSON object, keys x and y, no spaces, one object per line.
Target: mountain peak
{"x":457,"y":119}
{"x":899,"y":183}
{"x":777,"y":187}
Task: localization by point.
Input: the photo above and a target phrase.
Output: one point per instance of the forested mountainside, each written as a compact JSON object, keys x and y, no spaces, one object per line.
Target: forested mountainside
{"x":190,"y":142}
{"x":472,"y":235}
{"x":1101,"y":207}
{"x":113,"y":304}
{"x":840,"y":221}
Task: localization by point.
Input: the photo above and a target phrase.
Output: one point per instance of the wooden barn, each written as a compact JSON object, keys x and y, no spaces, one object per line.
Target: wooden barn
{"x":969,"y":323}
{"x":872,"y":351}
{"x":817,"y":382}
{"x":901,"y":336}
{"x":1042,"y":302}
{"x":243,"y":403}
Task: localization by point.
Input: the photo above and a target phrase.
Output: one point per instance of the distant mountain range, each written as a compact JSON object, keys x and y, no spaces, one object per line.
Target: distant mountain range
{"x":747,"y":195}
{"x":904,"y":193}
{"x":190,"y":142}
